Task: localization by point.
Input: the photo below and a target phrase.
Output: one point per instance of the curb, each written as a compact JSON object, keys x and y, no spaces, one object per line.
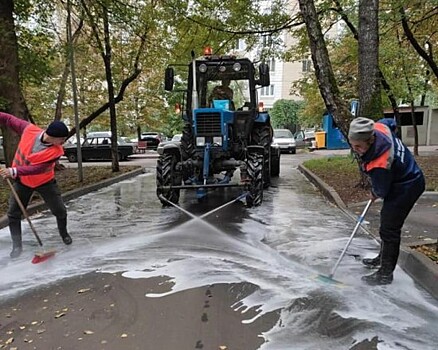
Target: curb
{"x":67,"y":196}
{"x":423,"y":270}
{"x":330,"y":193}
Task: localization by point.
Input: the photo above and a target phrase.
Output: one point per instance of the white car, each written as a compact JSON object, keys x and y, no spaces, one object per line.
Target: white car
{"x":284,"y":139}
{"x":176,"y":140}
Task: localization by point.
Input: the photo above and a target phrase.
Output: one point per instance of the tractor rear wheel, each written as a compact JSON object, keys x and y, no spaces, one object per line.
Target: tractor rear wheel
{"x":167,"y":176}
{"x":255,"y":168}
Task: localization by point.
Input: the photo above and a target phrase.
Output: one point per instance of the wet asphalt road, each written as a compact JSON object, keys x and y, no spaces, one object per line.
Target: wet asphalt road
{"x":281,"y":247}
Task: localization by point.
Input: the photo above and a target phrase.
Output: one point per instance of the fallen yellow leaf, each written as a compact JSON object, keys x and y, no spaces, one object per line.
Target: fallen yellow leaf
{"x":83,"y":290}
{"x":9,"y":341}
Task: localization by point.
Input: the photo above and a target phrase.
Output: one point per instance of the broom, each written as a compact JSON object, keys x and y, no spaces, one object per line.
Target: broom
{"x":329,"y":278}
{"x":41,"y":256}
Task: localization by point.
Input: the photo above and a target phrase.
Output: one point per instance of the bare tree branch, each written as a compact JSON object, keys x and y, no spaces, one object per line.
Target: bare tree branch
{"x":407,"y":30}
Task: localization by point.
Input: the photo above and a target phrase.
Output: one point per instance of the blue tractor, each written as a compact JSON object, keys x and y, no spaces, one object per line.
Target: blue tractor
{"x":225,"y":130}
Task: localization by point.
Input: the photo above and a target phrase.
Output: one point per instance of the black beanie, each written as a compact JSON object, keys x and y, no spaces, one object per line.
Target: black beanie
{"x":57,"y":129}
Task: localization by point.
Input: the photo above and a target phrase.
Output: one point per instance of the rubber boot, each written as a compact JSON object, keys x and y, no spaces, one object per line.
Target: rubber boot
{"x":62,"y":227}
{"x":17,"y":245}
{"x":373,"y":263}
{"x":384,"y":275}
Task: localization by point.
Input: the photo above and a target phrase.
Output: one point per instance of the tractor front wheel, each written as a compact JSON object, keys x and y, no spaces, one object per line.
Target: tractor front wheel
{"x":187,"y":142}
{"x":255,"y":166}
{"x":167,"y":176}
{"x":262,"y":136}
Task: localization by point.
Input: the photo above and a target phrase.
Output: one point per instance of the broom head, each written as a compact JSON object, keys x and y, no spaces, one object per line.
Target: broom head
{"x":330,"y":280}
{"x":43,"y":256}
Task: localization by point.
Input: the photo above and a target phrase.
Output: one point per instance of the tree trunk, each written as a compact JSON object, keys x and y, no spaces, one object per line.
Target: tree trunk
{"x":414,"y":125}
{"x":323,"y":69}
{"x":112,"y":105}
{"x":384,"y":82}
{"x":369,"y":77}
{"x":11,"y":97}
{"x":65,"y":73}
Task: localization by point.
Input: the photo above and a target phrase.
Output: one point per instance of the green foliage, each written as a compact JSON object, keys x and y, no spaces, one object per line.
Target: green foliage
{"x":344,"y":164}
{"x":284,"y":113}
{"x":173,"y":28}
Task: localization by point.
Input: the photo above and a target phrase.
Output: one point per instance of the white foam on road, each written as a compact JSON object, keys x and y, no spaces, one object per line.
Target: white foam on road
{"x":280,"y":247}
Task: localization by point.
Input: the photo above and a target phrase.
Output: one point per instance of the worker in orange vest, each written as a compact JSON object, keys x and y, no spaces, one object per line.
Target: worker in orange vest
{"x":396,"y":178}
{"x":33,"y":169}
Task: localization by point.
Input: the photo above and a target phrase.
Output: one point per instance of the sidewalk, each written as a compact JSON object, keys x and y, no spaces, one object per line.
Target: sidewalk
{"x":421,"y":227}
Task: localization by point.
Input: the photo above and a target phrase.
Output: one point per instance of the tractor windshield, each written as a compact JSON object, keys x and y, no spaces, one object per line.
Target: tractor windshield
{"x":224,"y":81}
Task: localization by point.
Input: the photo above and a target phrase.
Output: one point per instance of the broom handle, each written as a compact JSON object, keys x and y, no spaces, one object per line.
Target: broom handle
{"x":359,"y":221}
{"x":23,"y":209}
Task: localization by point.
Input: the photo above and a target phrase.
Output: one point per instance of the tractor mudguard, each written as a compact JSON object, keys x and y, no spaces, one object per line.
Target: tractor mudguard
{"x":256,"y":149}
{"x":170,"y":148}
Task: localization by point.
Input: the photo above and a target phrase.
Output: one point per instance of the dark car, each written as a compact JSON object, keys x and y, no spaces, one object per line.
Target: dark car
{"x":304,"y":138}
{"x":98,"y":148}
{"x":152,"y":139}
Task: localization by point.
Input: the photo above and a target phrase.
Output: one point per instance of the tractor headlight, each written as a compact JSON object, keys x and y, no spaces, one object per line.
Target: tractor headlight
{"x":200,"y":141}
{"x":217,"y":140}
{"x":203,"y":68}
{"x":237,"y":66}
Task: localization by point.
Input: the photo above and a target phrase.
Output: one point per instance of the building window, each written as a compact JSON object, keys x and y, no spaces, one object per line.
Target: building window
{"x":307,"y":65}
{"x":239,"y":44}
{"x":267,"y":90}
{"x":272,"y":65}
{"x":267,"y":41}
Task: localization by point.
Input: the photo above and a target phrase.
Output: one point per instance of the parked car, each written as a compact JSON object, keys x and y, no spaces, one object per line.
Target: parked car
{"x":284,"y":139}
{"x":176,"y":139}
{"x":98,"y":147}
{"x":304,"y":138}
{"x":152,"y":139}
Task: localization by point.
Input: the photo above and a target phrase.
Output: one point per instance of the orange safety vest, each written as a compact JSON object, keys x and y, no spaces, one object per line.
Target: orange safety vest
{"x":24,"y":157}
{"x":386,"y":158}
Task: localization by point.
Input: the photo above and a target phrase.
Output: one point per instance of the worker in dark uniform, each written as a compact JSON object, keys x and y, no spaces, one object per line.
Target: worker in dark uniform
{"x":396,"y":178}
{"x":223,"y":92}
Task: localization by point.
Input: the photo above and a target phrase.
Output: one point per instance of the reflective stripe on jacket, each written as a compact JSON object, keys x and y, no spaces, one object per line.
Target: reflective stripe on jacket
{"x":24,"y":156}
{"x":385,"y":160}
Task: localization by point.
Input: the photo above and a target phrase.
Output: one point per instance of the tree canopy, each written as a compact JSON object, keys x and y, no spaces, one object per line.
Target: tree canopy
{"x":145,"y":36}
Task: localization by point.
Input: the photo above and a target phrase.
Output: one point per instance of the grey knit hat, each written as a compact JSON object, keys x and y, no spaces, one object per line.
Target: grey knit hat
{"x":361,"y":129}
